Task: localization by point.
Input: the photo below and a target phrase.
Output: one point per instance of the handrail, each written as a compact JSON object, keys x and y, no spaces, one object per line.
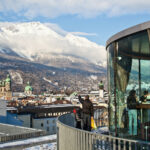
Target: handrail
{"x":71,"y":138}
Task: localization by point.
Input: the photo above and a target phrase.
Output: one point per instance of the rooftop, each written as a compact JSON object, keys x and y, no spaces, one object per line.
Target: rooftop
{"x":11,"y":132}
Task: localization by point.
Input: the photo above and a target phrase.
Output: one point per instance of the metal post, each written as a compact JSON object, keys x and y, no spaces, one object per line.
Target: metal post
{"x":115,"y":84}
{"x":139,"y":79}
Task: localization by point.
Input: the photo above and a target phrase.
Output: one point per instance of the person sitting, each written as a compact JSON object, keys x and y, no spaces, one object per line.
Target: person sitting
{"x":144,"y":97}
{"x":145,"y":112}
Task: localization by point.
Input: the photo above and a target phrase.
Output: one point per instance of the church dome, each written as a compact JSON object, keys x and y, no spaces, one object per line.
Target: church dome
{"x":8,"y":79}
{"x":28,"y":87}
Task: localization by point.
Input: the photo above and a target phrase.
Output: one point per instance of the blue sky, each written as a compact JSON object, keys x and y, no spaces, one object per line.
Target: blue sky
{"x":103,"y":26}
{"x":99,"y":19}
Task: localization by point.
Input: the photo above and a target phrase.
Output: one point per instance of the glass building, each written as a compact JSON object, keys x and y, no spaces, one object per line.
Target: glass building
{"x":128,"y":54}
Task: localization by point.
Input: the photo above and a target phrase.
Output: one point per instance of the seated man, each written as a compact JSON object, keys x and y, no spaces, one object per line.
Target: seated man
{"x":145,"y":112}
{"x":144,"y":97}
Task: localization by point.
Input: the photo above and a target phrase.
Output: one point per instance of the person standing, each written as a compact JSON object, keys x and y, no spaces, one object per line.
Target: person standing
{"x":77,"y":113}
{"x":87,"y":111}
{"x":146,"y":112}
{"x":132,"y":112}
{"x":101,"y":89}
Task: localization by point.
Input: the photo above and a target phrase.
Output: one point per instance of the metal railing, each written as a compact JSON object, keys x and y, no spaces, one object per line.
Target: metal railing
{"x":71,"y":138}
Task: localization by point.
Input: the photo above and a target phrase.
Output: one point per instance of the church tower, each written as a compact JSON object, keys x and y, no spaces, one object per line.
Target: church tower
{"x":8,"y":83}
{"x":5,"y":88}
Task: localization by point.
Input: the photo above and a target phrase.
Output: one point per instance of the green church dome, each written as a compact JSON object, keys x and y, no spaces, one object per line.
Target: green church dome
{"x":8,"y":79}
{"x":28,"y":87}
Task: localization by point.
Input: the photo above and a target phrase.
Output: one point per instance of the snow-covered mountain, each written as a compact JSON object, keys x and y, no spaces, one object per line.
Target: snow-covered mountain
{"x":40,"y":43}
{"x":49,"y":59}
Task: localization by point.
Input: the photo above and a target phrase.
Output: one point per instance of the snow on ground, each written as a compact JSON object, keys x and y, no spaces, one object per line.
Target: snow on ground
{"x":101,"y":130}
{"x":93,"y":77}
{"x":29,"y":141}
{"x":47,"y":80}
{"x":16,"y":76}
{"x":50,"y":146}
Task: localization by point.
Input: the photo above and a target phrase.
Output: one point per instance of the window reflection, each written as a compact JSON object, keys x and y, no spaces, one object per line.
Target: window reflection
{"x":111,"y":87}
{"x":132,"y":73}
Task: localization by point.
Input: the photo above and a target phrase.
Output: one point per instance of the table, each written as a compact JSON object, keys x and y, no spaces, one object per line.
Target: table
{"x":144,"y":106}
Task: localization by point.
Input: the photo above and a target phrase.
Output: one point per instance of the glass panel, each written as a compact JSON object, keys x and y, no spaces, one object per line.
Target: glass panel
{"x":122,"y":79}
{"x":145,"y":75}
{"x":133,"y":113}
{"x":132,"y":86}
{"x":110,"y":58}
{"x":136,"y":45}
{"x":127,"y":79}
{"x":145,"y":86}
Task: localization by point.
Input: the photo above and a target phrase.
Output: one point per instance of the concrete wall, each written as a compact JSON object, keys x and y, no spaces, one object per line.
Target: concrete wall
{"x":2,"y":107}
{"x":10,"y":119}
{"x":26,"y":119}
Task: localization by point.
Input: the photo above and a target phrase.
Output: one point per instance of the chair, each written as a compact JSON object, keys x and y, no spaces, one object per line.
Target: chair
{"x":145,"y":131}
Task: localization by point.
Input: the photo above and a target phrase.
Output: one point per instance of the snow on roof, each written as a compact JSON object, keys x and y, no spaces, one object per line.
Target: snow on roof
{"x":11,"y":108}
{"x":55,"y":106}
{"x":94,"y":92}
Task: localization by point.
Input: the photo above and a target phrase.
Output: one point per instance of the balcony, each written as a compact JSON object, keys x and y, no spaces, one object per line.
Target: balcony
{"x":71,"y":138}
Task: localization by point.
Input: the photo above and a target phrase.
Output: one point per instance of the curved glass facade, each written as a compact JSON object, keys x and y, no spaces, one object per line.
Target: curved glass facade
{"x":128,"y":85}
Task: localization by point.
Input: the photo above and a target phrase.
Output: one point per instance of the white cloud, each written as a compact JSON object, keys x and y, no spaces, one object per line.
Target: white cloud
{"x":30,"y":39}
{"x":84,"y":8}
{"x":56,"y":28}
{"x":84,"y":34}
{"x":59,"y":30}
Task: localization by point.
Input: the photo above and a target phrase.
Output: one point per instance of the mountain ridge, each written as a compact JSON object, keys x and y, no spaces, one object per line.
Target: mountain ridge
{"x":61,"y":78}
{"x":34,"y":38}
{"x":27,"y":56}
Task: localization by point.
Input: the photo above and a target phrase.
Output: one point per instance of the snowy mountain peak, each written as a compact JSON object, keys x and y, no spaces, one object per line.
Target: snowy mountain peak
{"x":80,"y":41}
{"x":35,"y":28}
{"x":34,"y":40}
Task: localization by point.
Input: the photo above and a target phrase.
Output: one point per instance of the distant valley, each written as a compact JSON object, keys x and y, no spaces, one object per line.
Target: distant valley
{"x":46,"y":69}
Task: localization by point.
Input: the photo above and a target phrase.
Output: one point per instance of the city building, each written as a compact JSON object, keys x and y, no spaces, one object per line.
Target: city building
{"x":47,"y":124}
{"x":128,"y":78}
{"x":6,"y":116}
{"x":40,"y":117}
{"x":5,"y":88}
